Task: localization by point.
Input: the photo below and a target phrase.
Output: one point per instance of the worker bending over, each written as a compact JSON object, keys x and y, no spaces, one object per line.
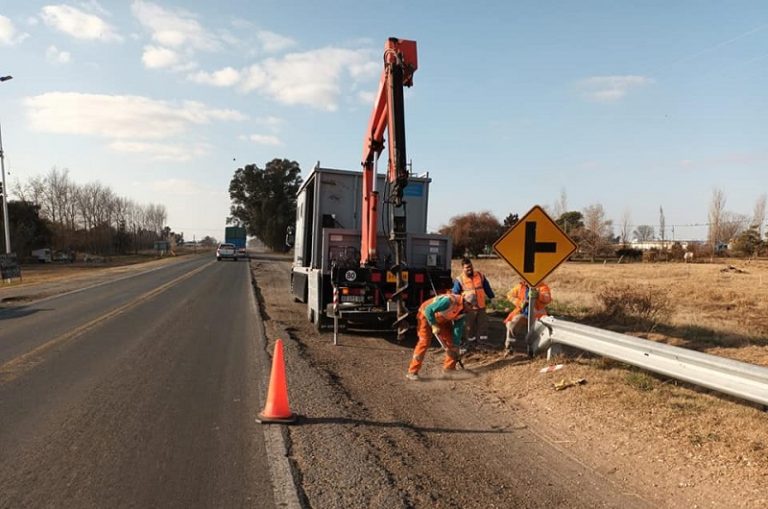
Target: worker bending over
{"x":517,"y":319}
{"x":442,"y":316}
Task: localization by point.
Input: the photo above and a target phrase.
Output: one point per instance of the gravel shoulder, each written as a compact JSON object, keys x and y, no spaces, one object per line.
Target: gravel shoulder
{"x":370,"y":438}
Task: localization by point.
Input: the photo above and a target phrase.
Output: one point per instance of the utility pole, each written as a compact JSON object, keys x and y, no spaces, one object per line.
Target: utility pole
{"x":6,"y":222}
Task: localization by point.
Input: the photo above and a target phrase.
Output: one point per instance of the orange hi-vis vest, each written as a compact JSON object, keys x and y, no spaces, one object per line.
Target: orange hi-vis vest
{"x":518,"y":294}
{"x":450,"y":314}
{"x":474,"y":285}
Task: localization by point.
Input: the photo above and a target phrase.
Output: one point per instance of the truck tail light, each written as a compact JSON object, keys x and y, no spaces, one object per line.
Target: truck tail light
{"x":418,"y":278}
{"x":375,"y":277}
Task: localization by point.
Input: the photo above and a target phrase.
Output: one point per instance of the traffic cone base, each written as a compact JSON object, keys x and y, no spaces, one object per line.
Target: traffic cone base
{"x":276,"y":408}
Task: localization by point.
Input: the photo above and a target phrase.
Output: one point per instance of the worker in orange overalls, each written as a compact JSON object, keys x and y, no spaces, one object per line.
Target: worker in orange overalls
{"x":472,"y":282}
{"x":519,"y":296}
{"x":443,"y":316}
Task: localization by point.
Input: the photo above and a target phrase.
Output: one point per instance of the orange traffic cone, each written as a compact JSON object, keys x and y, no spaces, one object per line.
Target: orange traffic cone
{"x":276,"y":409}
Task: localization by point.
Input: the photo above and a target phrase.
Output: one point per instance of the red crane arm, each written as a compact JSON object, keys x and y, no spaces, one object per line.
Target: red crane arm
{"x":400,"y":62}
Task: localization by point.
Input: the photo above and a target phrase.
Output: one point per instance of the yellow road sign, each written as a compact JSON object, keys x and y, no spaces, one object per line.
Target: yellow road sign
{"x":534,"y":246}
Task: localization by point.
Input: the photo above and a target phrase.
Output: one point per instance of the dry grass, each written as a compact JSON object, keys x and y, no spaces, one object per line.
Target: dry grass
{"x":725,"y":312}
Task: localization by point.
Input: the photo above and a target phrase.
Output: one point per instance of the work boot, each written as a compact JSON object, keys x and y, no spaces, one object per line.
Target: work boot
{"x":412,"y":376}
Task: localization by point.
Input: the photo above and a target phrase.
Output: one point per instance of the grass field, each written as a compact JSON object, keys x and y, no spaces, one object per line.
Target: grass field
{"x":719,"y":307}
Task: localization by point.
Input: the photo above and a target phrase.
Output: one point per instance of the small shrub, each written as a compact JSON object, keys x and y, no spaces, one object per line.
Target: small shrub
{"x":625,"y":303}
{"x":629,"y":253}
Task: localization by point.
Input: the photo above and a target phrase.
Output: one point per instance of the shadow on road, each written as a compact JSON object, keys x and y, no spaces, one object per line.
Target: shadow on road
{"x":17,"y":312}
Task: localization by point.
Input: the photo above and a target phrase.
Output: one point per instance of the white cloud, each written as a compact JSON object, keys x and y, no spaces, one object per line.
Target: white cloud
{"x":155,"y":57}
{"x":160,"y":151}
{"x":273,"y":123}
{"x":366,"y":97}
{"x":178,"y":186}
{"x":610,"y":88}
{"x":272,"y":42}
{"x":174,"y":29}
{"x":78,"y":24}
{"x":132,"y":123}
{"x":9,"y":36}
{"x":265,"y":139}
{"x":315,"y":78}
{"x":56,"y":56}
{"x":222,"y":78}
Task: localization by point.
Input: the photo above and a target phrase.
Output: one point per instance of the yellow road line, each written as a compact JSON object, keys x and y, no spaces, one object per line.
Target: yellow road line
{"x":23,"y":363}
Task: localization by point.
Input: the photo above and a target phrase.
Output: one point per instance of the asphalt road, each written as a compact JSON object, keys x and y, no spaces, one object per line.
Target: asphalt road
{"x":140,"y":392}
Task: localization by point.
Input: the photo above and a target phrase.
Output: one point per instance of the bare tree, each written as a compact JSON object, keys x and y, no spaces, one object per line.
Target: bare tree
{"x":626,"y":220}
{"x":758,"y":217}
{"x":561,"y":206}
{"x":597,"y":230}
{"x":662,"y":226}
{"x":644,"y":233}
{"x":731,"y":225}
{"x":716,"y":210}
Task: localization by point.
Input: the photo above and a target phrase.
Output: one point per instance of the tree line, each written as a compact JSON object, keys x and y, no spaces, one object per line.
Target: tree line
{"x":263,"y":200}
{"x":54,"y":211}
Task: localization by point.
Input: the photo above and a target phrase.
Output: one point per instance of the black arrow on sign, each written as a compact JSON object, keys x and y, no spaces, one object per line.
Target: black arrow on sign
{"x":532,"y":247}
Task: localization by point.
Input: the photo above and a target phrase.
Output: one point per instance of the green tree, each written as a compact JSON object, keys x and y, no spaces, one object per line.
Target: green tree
{"x":264,"y":200}
{"x":27,"y":229}
{"x":748,"y":243}
{"x":510,"y":221}
{"x":571,"y":222}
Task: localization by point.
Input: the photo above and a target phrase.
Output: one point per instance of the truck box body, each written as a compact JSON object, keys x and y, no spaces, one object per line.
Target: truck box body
{"x":327,"y":250}
{"x":235,"y":235}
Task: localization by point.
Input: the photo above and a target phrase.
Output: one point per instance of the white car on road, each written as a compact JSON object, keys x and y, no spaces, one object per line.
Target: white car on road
{"x":226,"y":251}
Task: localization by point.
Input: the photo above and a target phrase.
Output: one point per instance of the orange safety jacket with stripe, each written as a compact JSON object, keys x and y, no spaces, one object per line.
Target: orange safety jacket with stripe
{"x":453,"y":312}
{"x":473,"y":285}
{"x":518,"y":294}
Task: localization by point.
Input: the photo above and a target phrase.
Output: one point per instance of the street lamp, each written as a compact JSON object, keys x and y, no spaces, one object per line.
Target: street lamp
{"x":6,"y":222}
{"x":5,"y":201}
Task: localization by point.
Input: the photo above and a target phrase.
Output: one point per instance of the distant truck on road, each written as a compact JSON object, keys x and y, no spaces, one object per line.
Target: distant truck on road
{"x":235,"y":235}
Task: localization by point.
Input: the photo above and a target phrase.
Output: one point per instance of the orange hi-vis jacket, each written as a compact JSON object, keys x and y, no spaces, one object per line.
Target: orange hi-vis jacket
{"x":518,"y":295}
{"x":453,"y":312}
{"x":474,"y":285}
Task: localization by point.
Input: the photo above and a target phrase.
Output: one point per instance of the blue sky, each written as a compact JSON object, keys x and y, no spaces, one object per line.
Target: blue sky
{"x":633,"y":105}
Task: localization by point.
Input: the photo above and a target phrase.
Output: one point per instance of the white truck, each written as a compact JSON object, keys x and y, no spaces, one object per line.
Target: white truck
{"x":42,"y":255}
{"x":327,"y":274}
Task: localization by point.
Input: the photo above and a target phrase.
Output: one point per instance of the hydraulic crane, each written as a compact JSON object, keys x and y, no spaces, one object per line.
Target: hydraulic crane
{"x":400,"y":62}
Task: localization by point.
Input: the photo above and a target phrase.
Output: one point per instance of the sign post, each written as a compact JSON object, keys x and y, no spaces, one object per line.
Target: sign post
{"x":534,"y":247}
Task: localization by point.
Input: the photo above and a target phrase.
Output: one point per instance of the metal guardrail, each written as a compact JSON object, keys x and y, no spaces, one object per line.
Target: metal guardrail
{"x":740,"y":379}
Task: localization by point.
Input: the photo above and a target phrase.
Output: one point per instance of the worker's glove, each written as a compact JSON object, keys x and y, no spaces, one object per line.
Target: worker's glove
{"x":534,"y":294}
{"x":435,"y":329}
